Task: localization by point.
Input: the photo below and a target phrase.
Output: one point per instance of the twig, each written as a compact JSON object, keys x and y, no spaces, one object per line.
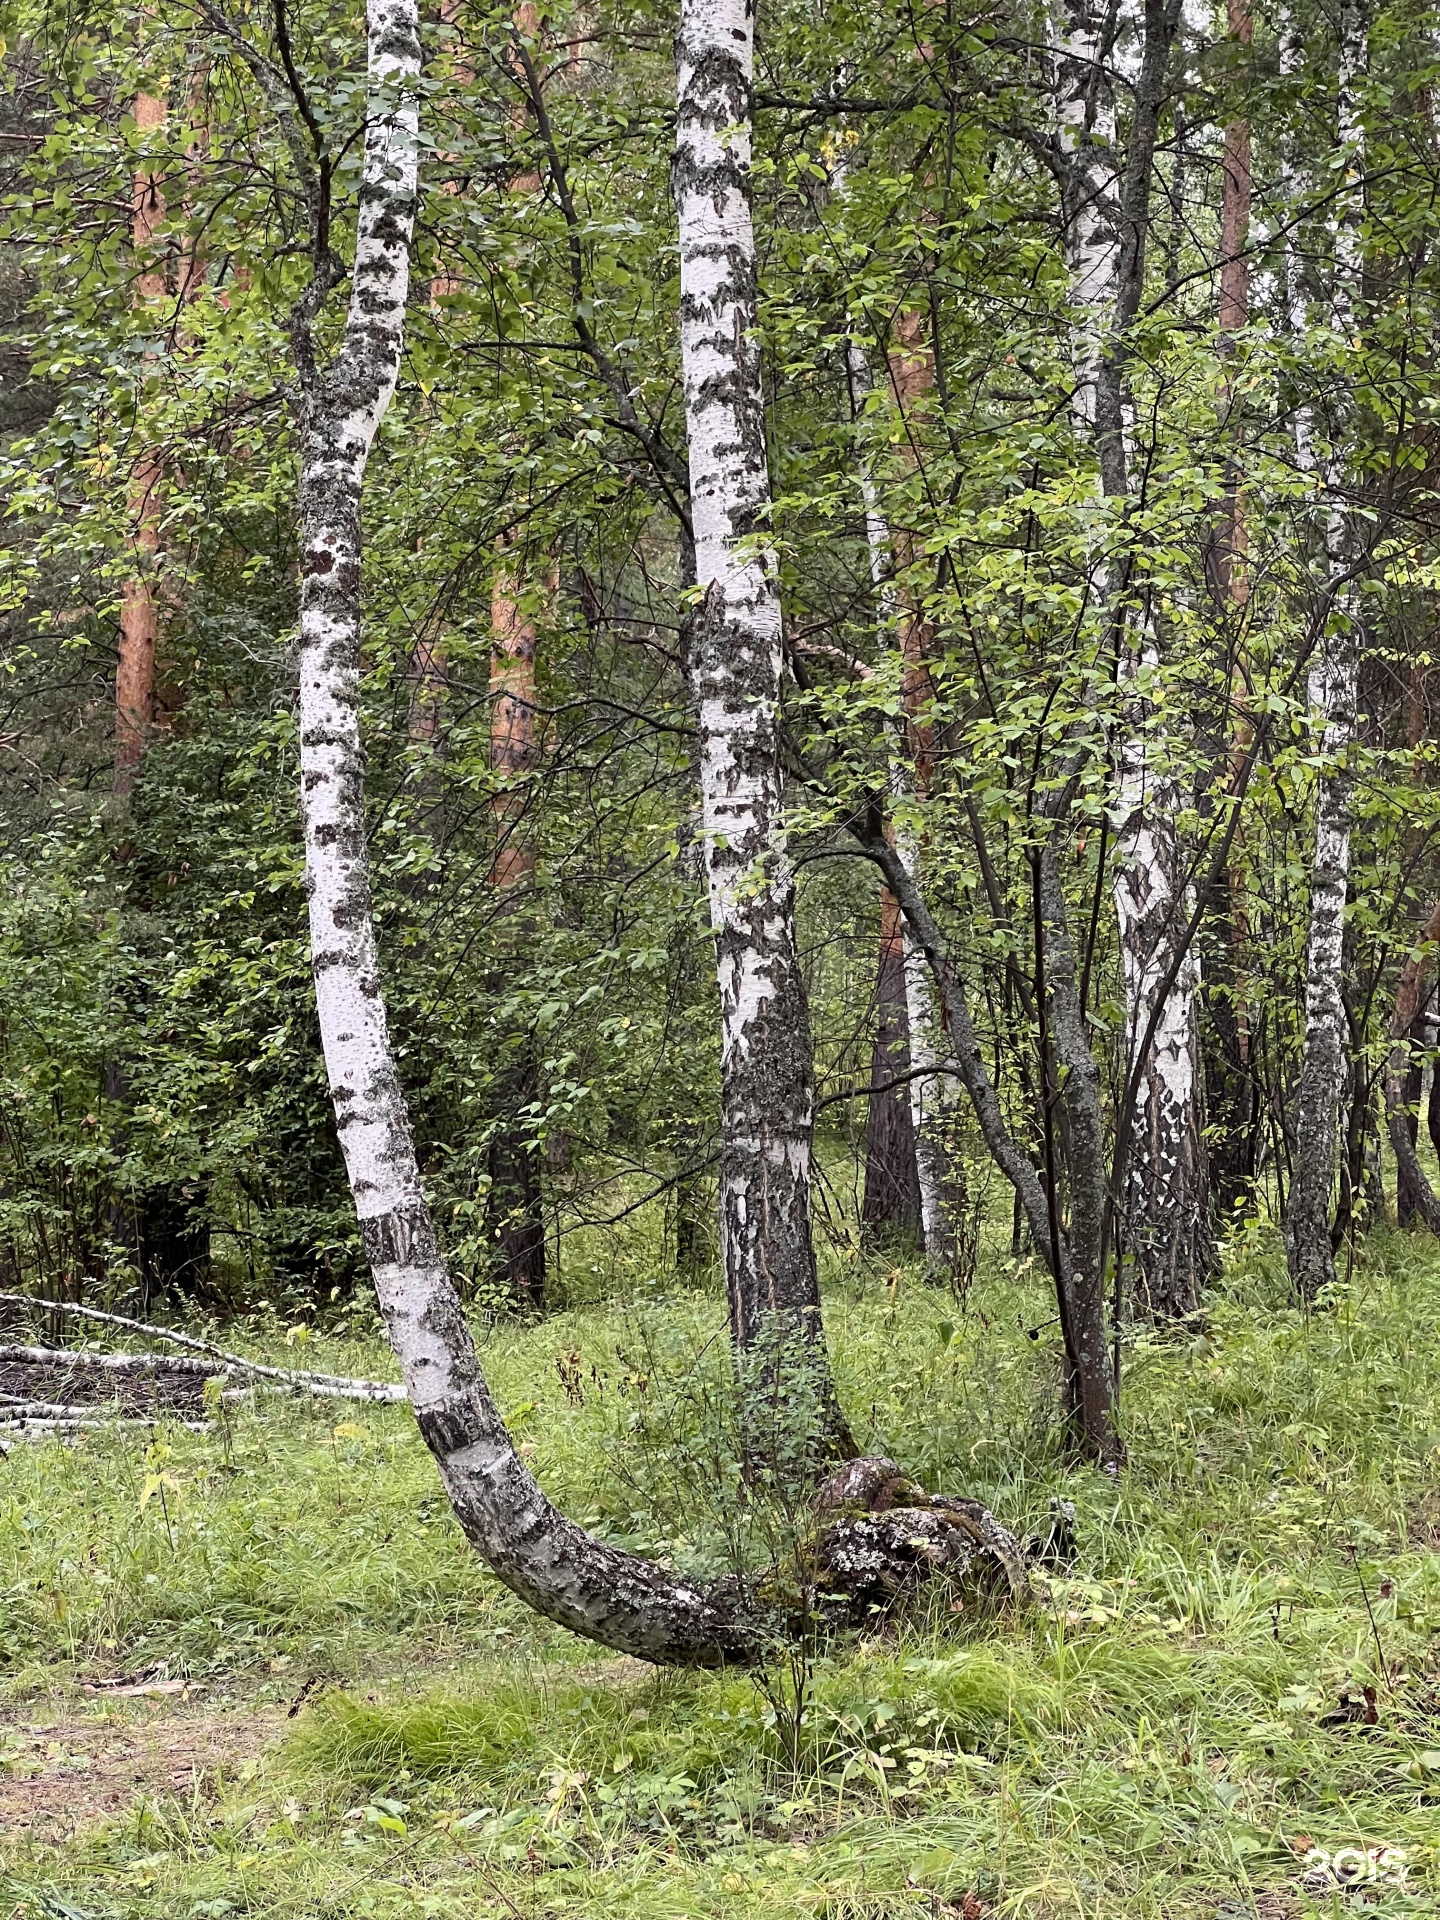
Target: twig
{"x":1374,"y":1624}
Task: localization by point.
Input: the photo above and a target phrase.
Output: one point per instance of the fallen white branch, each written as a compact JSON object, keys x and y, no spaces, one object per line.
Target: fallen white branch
{"x":76,"y":1423}
{"x":332,"y":1386}
{"x":13,"y":1409}
{"x":82,"y":1360}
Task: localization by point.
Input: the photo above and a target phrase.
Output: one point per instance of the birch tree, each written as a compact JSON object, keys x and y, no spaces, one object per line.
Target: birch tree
{"x":1106,"y":197}
{"x":1333,"y":686}
{"x":766,"y":1095}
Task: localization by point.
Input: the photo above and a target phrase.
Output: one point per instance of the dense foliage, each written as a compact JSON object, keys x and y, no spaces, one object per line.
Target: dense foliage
{"x":163,"y":1113}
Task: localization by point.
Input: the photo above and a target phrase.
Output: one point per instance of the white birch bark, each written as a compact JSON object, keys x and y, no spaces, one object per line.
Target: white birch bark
{"x":1166,"y":1201}
{"x":1333,"y":695}
{"x":1167,"y":1211}
{"x":735,"y":661}
{"x":1085,"y":124}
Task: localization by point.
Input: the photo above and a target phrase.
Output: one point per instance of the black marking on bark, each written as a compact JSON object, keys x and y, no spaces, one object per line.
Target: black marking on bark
{"x":449,"y":1426}
{"x":402,"y":1238}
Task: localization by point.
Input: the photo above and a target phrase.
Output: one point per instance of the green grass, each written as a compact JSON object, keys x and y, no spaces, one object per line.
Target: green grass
{"x":1149,"y":1743}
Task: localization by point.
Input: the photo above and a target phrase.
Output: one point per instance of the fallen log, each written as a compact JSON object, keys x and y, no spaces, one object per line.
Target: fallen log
{"x":323,"y":1385}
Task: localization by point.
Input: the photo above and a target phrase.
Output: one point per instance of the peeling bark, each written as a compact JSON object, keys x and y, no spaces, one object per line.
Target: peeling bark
{"x":767,"y":1094}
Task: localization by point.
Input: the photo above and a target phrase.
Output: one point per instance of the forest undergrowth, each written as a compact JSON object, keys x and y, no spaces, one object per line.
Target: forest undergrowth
{"x":1233,"y":1691}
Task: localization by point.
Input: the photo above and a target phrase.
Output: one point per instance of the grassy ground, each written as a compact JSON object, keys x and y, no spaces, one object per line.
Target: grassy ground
{"x":372,"y":1727}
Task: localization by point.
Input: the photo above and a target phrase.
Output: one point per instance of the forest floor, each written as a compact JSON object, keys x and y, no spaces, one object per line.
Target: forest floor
{"x":257,"y":1671}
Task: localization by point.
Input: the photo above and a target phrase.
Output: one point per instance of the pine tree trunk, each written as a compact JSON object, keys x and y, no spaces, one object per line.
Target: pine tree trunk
{"x":514,"y":728}
{"x":135,"y":668}
{"x":1334,"y":693}
{"x":901,"y":627}
{"x":1415,"y":1198}
{"x":912,"y":380}
{"x":735,"y":664}
{"x":515,"y":1202}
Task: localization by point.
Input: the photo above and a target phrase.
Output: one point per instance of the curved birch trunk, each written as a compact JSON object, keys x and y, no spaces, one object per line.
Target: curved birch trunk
{"x":1334,"y":693}
{"x":735,"y":665}
{"x":879,"y":1537}
{"x":553,"y":1565}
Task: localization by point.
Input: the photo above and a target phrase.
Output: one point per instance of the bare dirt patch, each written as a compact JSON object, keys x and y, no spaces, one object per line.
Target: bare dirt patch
{"x":67,"y":1771}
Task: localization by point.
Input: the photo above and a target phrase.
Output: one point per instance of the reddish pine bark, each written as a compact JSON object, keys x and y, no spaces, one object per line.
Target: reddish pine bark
{"x":135,"y":668}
